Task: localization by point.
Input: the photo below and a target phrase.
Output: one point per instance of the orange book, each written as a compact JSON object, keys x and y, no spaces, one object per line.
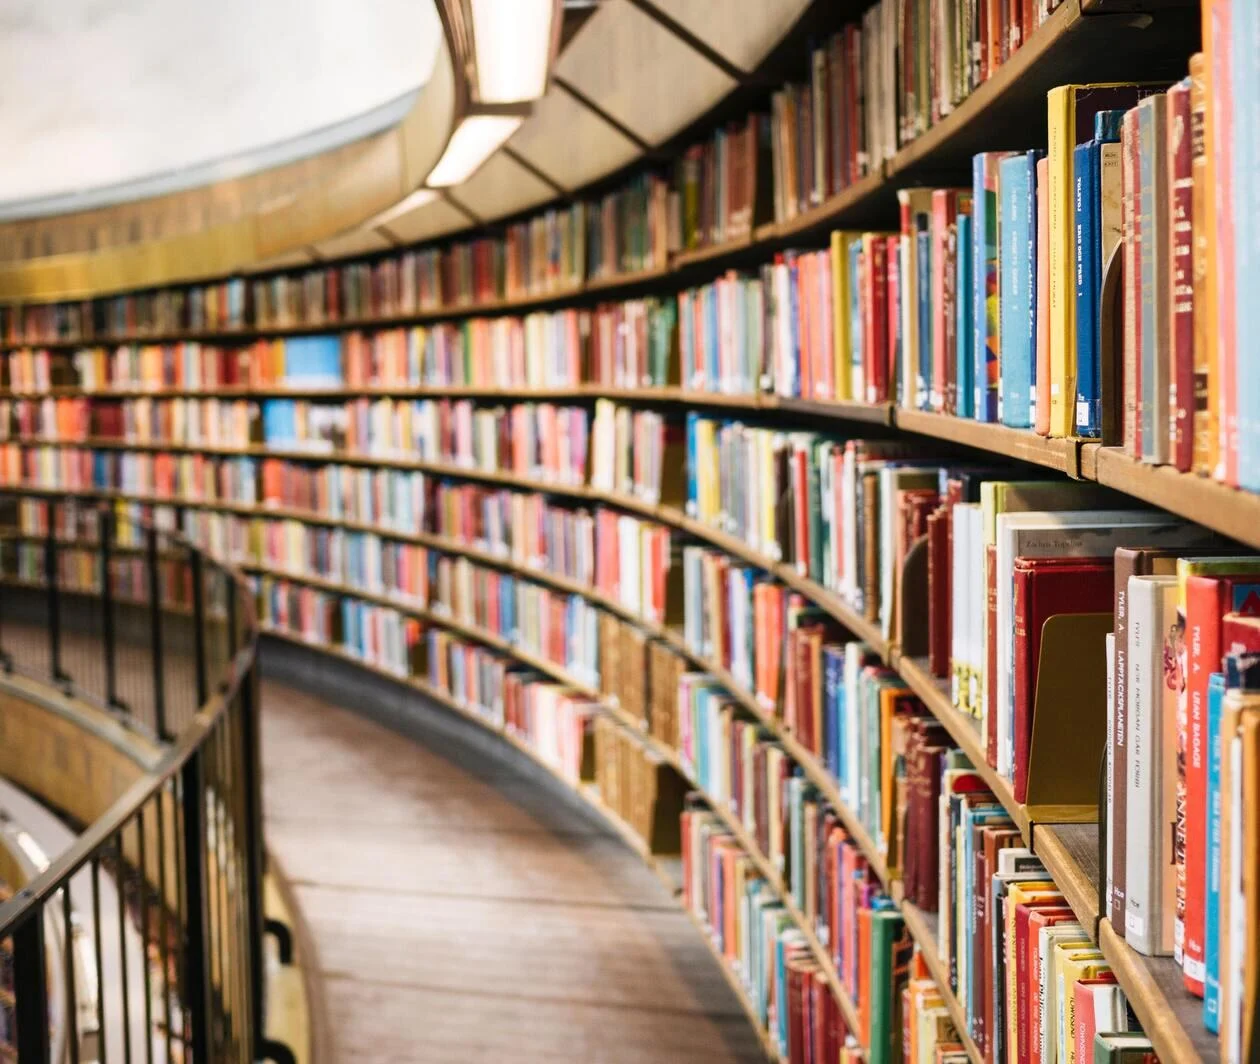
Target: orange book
{"x":863,"y":987}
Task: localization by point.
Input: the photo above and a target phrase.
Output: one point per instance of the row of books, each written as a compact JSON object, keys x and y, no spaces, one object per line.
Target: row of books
{"x":758,"y":938}
{"x":542,"y":440}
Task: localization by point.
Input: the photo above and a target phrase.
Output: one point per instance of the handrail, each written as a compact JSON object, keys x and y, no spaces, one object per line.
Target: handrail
{"x":183,"y":842}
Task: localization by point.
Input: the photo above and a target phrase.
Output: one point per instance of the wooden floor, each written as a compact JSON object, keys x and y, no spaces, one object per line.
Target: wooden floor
{"x":463,"y":911}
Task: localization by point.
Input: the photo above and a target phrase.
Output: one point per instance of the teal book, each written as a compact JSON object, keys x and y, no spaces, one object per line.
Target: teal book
{"x":1017,"y":270}
{"x":1212,"y":902}
{"x":965,"y":370}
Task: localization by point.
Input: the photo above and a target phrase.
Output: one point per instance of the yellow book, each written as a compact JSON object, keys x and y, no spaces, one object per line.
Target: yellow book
{"x":841,"y":295}
{"x":1070,"y":111}
{"x":1071,"y":966}
{"x":1021,"y":894}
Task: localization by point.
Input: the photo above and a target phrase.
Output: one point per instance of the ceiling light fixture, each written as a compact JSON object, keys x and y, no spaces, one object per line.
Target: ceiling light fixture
{"x":419,"y":198}
{"x":513,"y":41}
{"x":476,"y":138}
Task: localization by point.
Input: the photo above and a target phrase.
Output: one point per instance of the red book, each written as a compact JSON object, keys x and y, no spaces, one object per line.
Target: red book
{"x":874,"y":319}
{"x":1045,"y":587}
{"x":1132,"y":285}
{"x":1220,"y":614}
{"x":894,"y":338}
{"x":1181,"y":333}
{"x":1050,"y":911}
{"x":938,"y":592}
{"x":1086,"y":1020}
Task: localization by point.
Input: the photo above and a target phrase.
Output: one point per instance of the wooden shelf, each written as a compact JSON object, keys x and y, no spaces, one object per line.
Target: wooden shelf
{"x":1070,"y":854}
{"x":1226,"y":509}
{"x":1171,"y":1016}
{"x":1022,"y":445}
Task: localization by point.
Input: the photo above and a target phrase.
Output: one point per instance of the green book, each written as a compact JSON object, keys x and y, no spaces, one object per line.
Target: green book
{"x":1123,"y":1047}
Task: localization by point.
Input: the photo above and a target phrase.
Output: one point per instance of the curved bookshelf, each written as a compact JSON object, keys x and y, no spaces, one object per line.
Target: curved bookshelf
{"x":1081,"y":37}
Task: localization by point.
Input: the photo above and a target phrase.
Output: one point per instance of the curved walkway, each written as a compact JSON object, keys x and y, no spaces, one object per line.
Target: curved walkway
{"x":464,"y":909}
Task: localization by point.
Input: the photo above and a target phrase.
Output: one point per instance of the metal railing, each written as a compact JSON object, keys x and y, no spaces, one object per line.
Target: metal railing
{"x":143,"y":940}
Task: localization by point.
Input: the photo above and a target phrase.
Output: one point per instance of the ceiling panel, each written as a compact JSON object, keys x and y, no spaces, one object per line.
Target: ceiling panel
{"x":570,"y":143}
{"x":741,"y":30}
{"x":502,"y":186}
{"x":300,"y":257}
{"x":640,"y":73}
{"x":355,"y":242}
{"x":424,"y":223}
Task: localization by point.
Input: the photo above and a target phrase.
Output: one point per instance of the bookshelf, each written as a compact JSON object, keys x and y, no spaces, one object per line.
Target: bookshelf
{"x":1081,"y":39}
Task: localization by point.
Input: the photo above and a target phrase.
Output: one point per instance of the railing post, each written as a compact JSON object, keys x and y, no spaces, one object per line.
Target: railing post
{"x":155,"y":637}
{"x":197,"y":985}
{"x":199,"y":626}
{"x":30,"y":979}
{"x":54,"y":600}
{"x":254,"y":867}
{"x":107,"y":612}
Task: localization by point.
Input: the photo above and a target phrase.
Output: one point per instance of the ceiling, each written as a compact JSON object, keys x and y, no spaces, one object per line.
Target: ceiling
{"x":158,"y":95}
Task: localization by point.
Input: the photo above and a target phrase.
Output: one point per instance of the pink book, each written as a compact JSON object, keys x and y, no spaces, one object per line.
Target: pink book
{"x":1181,"y":306}
{"x":1221,"y":97}
{"x":1042,"y":423}
{"x":1132,"y":237}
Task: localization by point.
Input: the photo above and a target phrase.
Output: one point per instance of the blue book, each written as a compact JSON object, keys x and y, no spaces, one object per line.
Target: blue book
{"x":1152,"y":201}
{"x":1087,"y":166}
{"x":1017,"y":257}
{"x":708,"y":358}
{"x":312,"y":360}
{"x":1245,"y":32}
{"x":986,"y":368}
{"x":965,"y":368}
{"x":923,"y":237}
{"x":833,"y":722}
{"x":693,"y":419}
{"x":1212,"y":899}
{"x":794,"y":311}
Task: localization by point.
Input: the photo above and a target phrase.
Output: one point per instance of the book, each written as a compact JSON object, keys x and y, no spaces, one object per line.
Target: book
{"x":1150,"y":877}
{"x":1017,"y":258}
{"x":1044,"y":587}
{"x":1180,"y":183}
{"x":986,"y":313}
{"x":1155,"y":249}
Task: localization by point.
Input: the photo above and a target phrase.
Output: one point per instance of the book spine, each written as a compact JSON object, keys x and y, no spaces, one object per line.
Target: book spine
{"x":1061,"y":114}
{"x":1042,"y":401}
{"x":1014,"y":270}
{"x":1220,"y":145}
{"x":985,"y":287}
{"x":1203,"y":653}
{"x":965,"y":369}
{"x":1245,"y":231}
{"x":1132,"y":287}
{"x":1088,"y":284}
{"x":1212,"y":880}
{"x":1143,"y":864}
{"x":1180,"y":181}
{"x":1203,"y":413}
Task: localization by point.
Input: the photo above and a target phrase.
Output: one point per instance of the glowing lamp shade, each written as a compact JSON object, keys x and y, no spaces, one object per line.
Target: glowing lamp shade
{"x":472,"y":143}
{"x":513,"y":44}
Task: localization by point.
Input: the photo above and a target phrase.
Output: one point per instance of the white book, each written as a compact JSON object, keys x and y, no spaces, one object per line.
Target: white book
{"x":853,"y":654}
{"x":1054,"y":534}
{"x":1149,"y":907}
{"x":848,"y":584}
{"x":976,"y":609}
{"x":1109,"y":823}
